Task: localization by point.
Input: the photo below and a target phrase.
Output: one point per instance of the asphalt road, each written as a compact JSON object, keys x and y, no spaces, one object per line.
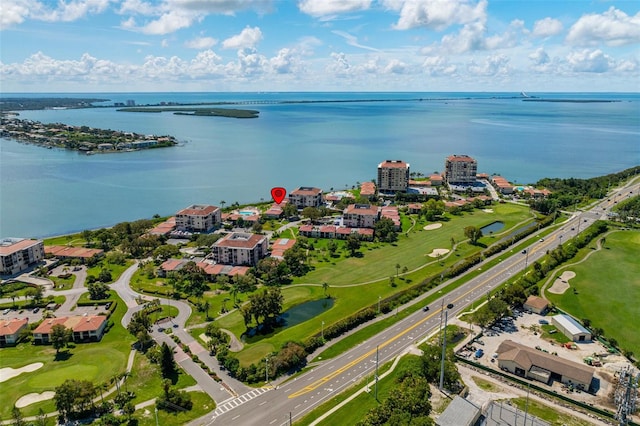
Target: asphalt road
{"x":295,"y":398}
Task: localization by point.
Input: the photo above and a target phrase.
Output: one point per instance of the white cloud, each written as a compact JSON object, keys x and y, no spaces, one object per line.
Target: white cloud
{"x":539,"y":57}
{"x":395,"y":66}
{"x":613,"y":27}
{"x":547,"y":27}
{"x":168,"y":23}
{"x":324,"y":8}
{"x":492,"y":65}
{"x":352,"y":40}
{"x":138,"y":7}
{"x":436,"y":14}
{"x":438,"y":66}
{"x":201,"y":43}
{"x":285,"y":62}
{"x":248,"y":38}
{"x":15,"y":12}
{"x":589,"y":61}
{"x":339,"y":66}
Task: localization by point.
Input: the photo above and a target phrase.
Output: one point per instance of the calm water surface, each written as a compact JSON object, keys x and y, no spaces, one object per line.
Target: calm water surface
{"x":334,"y":144}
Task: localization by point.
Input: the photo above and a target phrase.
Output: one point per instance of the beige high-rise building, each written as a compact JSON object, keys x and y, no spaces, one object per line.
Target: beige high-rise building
{"x":460,"y":169}
{"x":393,"y":176}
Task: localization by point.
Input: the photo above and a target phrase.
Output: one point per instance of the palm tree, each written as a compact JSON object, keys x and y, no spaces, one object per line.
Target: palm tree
{"x":325,"y":287}
{"x":397,"y":269}
{"x":222,"y":203}
{"x":224,"y":304}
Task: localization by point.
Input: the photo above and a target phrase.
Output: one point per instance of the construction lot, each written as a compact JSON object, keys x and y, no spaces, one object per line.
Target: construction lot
{"x":526,"y":328}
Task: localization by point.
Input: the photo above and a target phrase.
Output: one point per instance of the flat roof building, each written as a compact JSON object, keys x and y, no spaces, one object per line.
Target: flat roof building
{"x":571,"y":328}
{"x":393,"y":176}
{"x":19,"y":254}
{"x":460,"y":169}
{"x":460,"y":412}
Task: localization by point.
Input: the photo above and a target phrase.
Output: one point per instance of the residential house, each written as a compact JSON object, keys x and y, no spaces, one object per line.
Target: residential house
{"x":536,"y":304}
{"x":10,"y":330}
{"x":198,"y":218}
{"x":460,"y":169}
{"x":19,"y":254}
{"x":89,"y":328}
{"x":360,"y":216}
{"x":393,"y":176}
{"x":240,"y":248}
{"x":306,"y":196}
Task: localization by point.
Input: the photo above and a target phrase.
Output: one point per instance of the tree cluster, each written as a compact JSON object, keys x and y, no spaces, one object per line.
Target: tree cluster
{"x":385,"y":230}
{"x":264,"y":307}
{"x":73,"y":398}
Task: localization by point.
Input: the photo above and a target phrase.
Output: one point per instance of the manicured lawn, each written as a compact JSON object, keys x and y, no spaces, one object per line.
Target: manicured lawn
{"x":97,"y":362}
{"x":116,"y":270}
{"x":62,"y":283}
{"x":202,"y":404}
{"x":376,"y":266}
{"x":606,"y":283}
{"x":63,"y":240}
{"x":412,"y":250}
{"x":486,"y":385}
{"x":145,"y":380}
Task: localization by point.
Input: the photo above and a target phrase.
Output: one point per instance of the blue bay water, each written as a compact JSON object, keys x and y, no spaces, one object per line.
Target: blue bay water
{"x":327,"y":144}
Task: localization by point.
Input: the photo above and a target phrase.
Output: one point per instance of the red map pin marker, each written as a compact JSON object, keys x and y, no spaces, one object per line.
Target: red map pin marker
{"x":278,"y":193}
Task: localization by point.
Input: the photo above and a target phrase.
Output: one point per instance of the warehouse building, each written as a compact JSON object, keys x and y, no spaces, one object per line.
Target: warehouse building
{"x":571,"y":328}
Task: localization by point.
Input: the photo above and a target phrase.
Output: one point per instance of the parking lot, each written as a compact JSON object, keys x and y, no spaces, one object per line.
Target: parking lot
{"x":525,"y":328}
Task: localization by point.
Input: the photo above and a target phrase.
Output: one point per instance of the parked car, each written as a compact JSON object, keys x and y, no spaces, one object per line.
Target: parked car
{"x":542,"y":321}
{"x":6,"y":311}
{"x":35,"y":310}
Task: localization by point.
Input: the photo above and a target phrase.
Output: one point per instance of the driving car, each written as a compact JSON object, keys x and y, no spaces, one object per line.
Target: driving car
{"x":450,"y":305}
{"x":425,"y":309}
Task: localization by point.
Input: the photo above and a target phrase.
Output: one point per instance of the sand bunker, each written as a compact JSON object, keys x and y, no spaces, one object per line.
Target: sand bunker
{"x":561,"y":284}
{"x":432,"y":226}
{"x":32,"y":398}
{"x":438,"y":252}
{"x":9,"y":373}
{"x":487,"y":210}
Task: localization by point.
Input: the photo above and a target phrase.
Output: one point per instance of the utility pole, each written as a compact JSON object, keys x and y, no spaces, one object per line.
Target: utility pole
{"x":526,"y":406}
{"x":266,"y":370}
{"x":444,"y":346}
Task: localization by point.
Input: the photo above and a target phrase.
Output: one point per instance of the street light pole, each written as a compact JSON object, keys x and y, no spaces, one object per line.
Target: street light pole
{"x":379,"y":297}
{"x":444,"y":345}
{"x":266,"y":370}
{"x":322,"y":330}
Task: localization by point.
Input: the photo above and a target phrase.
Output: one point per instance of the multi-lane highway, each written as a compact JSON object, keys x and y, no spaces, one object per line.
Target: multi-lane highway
{"x":295,"y":398}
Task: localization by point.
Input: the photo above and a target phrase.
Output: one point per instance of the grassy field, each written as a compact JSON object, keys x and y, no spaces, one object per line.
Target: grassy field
{"x":116,"y":270}
{"x":145,"y":380}
{"x":547,"y":413}
{"x":357,"y":282}
{"x":97,"y":362}
{"x":202,"y":404}
{"x":604,"y":290}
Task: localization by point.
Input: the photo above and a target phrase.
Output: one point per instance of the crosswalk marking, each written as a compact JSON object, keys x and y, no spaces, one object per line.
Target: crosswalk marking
{"x":236,"y":402}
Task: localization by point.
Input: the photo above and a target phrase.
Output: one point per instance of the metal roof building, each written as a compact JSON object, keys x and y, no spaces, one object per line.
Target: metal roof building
{"x":571,"y":328}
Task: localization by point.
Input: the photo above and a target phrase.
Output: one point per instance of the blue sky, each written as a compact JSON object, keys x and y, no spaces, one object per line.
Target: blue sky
{"x":319,"y":45}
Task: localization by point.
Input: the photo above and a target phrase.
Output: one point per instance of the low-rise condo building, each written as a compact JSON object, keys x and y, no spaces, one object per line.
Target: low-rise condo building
{"x":198,"y":218}
{"x":88,"y":328}
{"x":19,"y":254}
{"x":240,"y":248}
{"x":10,"y":330}
{"x":306,"y":196}
{"x":360,"y":216}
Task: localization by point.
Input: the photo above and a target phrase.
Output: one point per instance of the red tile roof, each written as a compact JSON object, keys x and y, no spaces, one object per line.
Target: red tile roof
{"x":12,"y":326}
{"x":240,"y":240}
{"x":361,"y":209}
{"x":198,"y":210}
{"x":6,"y":250}
{"x":75,"y":323}
{"x":172,"y":264}
{"x":306,"y":190}
{"x":67,"y":251}
{"x":393,"y":164}
{"x":461,"y":158}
